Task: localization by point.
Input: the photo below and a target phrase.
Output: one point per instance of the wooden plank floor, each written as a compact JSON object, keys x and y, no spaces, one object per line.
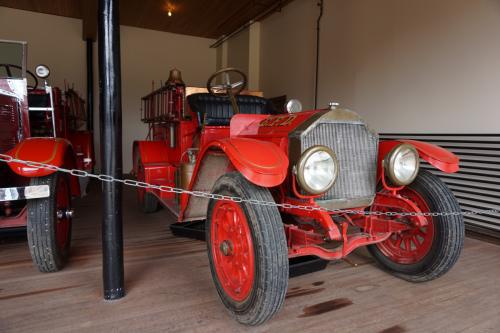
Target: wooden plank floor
{"x":169,"y":288}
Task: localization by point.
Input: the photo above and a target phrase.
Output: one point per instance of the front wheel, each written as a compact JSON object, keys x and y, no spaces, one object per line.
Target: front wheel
{"x":49,"y":224}
{"x":423,"y":254}
{"x":247,"y":251}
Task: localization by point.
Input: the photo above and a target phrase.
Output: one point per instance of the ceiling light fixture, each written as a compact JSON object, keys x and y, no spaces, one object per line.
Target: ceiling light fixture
{"x":169,"y":7}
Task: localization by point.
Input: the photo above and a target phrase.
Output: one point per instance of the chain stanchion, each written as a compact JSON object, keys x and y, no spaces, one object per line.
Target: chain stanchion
{"x":207,"y":195}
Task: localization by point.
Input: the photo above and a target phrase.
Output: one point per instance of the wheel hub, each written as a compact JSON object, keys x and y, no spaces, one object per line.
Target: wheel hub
{"x":412,"y":245}
{"x":64,"y":213}
{"x":226,"y":247}
{"x":232,"y":250}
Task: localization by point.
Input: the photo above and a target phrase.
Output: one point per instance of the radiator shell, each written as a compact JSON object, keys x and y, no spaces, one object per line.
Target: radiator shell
{"x":356,"y":148}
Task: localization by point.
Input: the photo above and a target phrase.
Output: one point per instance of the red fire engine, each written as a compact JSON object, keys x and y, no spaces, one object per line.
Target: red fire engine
{"x":39,"y":123}
{"x":291,"y":184}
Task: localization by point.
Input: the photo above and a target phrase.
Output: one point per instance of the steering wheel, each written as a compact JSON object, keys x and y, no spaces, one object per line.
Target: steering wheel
{"x":227,"y":89}
{"x":9,"y":74}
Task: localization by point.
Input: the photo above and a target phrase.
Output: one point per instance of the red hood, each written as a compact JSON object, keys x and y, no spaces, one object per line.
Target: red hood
{"x":265,"y":126}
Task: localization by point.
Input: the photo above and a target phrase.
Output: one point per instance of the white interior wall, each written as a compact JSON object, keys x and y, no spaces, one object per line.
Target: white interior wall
{"x":404,"y":65}
{"x":238,"y":49}
{"x":146,"y":55}
{"x":242,"y":51}
{"x":287,"y":52}
{"x":52,"y":40}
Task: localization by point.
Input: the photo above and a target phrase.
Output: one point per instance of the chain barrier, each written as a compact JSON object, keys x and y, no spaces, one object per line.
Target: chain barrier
{"x":207,"y":195}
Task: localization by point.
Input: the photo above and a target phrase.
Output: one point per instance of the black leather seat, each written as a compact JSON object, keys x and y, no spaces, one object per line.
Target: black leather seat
{"x":217,"y":111}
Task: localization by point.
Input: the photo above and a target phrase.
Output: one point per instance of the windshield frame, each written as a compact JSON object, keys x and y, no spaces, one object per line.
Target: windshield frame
{"x":24,"y":46}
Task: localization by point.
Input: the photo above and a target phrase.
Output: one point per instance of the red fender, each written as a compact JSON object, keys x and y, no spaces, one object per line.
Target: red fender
{"x":83,"y":146}
{"x":440,"y":158}
{"x":149,"y":152}
{"x":53,"y":151}
{"x":262,"y":163}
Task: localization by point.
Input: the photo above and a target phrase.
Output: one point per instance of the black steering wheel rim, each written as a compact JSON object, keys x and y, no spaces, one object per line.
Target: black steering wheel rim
{"x":235,"y":88}
{"x":7,"y":68}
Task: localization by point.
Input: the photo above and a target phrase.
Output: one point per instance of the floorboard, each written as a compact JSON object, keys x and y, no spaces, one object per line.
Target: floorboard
{"x":169,"y":288}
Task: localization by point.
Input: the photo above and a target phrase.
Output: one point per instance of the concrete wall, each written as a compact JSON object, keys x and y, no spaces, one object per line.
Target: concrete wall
{"x":149,"y":55}
{"x":146,"y":55}
{"x":52,"y":40}
{"x":288,"y":52}
{"x":238,"y":48}
{"x":242,"y":51}
{"x":405,"y":65}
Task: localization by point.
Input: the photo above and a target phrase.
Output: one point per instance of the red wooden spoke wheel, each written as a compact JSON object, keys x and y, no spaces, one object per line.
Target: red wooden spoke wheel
{"x":63,"y":212}
{"x":232,"y":250}
{"x":412,"y":245}
{"x":424,"y":253}
{"x":247,"y":251}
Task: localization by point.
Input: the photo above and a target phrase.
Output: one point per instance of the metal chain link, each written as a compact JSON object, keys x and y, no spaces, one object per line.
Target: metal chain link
{"x":207,"y":195}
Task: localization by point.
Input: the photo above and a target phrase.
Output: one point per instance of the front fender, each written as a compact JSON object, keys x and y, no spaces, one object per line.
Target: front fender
{"x":438,"y":157}
{"x":53,"y":151}
{"x":262,"y":163}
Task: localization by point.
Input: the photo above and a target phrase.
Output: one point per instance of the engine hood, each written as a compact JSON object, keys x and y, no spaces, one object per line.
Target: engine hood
{"x":288,"y":125}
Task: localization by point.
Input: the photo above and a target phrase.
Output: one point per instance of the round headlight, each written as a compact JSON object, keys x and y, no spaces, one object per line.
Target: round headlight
{"x":42,"y":71}
{"x":317,"y":170}
{"x":402,"y":164}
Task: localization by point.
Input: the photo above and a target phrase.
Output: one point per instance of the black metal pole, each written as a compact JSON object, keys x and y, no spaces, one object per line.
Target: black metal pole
{"x":90,"y":85}
{"x":321,"y":6}
{"x":111,"y":147}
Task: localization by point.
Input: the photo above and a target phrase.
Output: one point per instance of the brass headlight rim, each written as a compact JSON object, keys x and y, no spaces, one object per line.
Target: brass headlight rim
{"x":389,"y":161}
{"x":301,"y":164}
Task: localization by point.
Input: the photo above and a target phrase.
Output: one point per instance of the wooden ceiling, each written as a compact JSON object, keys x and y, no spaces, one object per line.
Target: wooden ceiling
{"x":203,"y":18}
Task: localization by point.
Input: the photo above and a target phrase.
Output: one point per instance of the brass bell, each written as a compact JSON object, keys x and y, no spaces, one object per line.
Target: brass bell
{"x":175,"y":77}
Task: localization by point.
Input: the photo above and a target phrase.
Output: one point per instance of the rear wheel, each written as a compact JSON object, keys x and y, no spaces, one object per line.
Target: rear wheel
{"x":148,"y":203}
{"x":247,"y":251}
{"x":423,"y":254}
{"x":49,"y":223}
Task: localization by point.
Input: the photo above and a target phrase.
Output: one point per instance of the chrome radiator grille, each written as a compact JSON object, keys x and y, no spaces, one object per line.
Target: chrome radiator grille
{"x":356,"y":149}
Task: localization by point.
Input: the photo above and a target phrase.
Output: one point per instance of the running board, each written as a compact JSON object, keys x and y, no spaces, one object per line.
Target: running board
{"x":298,"y":266}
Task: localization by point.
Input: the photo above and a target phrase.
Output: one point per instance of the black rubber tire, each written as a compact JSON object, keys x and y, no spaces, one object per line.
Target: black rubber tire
{"x":150,"y":203}
{"x":448,"y":235}
{"x":41,"y":227}
{"x":270,"y":249}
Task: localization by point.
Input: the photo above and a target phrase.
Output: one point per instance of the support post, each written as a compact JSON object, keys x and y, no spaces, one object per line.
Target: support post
{"x":316,"y":77}
{"x":111,"y":147}
{"x":90,"y":84}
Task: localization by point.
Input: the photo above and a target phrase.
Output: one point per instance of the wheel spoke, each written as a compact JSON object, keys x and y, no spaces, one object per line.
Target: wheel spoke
{"x":233,"y":267}
{"x":237,"y":84}
{"x":407,"y":243}
{"x":421,"y":233}
{"x":398,"y":242}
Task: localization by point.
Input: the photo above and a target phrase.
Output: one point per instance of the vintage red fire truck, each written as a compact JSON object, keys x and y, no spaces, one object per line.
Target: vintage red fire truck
{"x":303,"y":183}
{"x":39,"y":123}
